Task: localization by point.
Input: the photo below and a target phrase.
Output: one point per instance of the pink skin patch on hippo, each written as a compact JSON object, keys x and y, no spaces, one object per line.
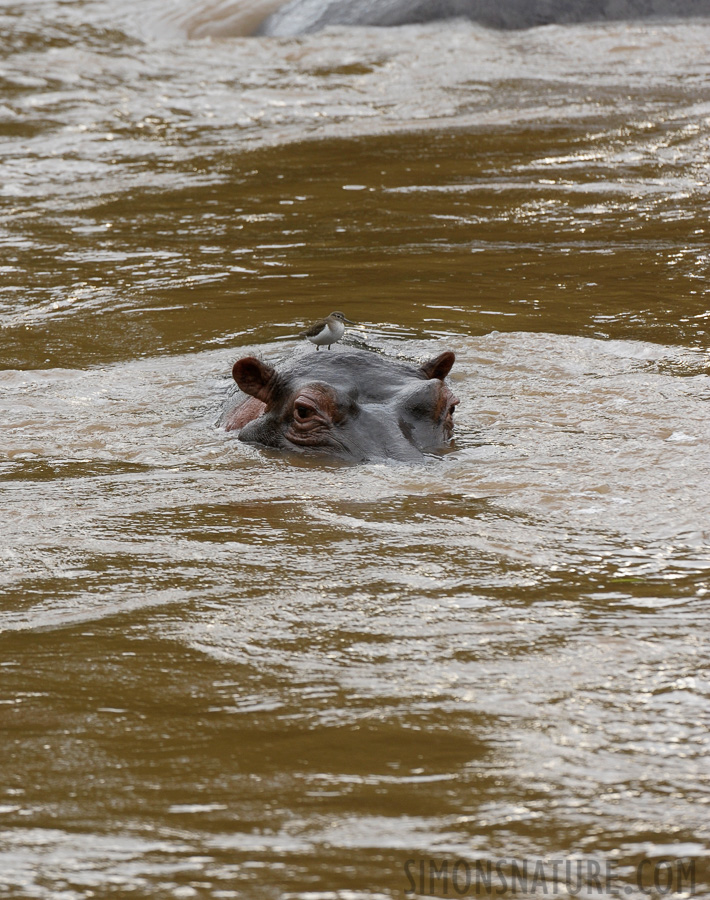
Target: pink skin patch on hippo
{"x":251,"y":409}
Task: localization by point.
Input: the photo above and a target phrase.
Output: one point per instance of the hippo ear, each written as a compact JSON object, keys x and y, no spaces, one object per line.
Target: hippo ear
{"x":255,"y":377}
{"x":440,"y":366}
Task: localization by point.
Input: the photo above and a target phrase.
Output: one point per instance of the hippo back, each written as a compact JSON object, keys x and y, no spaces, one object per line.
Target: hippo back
{"x":304,"y":16}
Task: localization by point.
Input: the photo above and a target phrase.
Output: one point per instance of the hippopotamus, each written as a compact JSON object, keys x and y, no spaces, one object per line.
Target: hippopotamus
{"x":355,"y":406}
{"x":304,"y":16}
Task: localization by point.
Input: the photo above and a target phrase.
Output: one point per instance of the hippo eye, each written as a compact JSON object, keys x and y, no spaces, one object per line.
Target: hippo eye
{"x":303,"y":411}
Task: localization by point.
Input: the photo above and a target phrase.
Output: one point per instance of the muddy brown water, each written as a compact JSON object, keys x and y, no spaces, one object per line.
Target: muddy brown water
{"x":226,"y":675}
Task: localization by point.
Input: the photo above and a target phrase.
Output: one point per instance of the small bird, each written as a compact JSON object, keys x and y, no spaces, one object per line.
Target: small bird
{"x":327,"y":331}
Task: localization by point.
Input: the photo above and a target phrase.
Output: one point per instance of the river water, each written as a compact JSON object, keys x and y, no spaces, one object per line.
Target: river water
{"x":226,"y":675}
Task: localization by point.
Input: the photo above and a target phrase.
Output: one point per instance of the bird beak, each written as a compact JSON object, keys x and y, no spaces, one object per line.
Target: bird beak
{"x":349,"y":321}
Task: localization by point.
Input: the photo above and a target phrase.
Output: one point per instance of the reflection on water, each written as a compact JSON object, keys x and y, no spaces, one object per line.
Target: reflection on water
{"x":225,"y":675}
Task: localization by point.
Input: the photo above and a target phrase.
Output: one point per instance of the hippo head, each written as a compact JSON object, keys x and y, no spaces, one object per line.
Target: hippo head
{"x":352,"y":405}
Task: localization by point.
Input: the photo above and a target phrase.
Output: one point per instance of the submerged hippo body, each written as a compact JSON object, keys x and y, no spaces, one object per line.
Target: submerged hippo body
{"x":353,"y":405}
{"x":304,"y":16}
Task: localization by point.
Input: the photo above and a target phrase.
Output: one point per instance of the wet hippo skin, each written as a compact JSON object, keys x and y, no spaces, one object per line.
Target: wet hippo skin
{"x":304,"y":16}
{"x":352,"y":405}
